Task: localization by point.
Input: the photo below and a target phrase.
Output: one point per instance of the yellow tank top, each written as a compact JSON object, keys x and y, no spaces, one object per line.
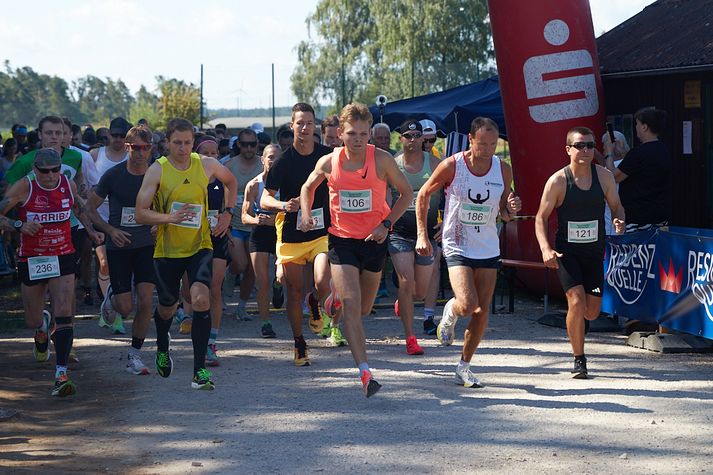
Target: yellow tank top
{"x":176,"y":188}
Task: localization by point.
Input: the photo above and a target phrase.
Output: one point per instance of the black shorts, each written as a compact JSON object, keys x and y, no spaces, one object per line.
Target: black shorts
{"x":579,"y":269}
{"x":220,"y":247}
{"x":169,"y":271}
{"x":79,"y":237}
{"x":67,"y":266}
{"x":456,"y":260}
{"x":127,"y":263}
{"x":364,"y":255}
{"x":263,"y":239}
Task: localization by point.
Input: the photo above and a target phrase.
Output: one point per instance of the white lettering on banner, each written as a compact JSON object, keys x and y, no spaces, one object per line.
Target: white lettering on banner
{"x":537,"y":87}
{"x":56,"y":217}
{"x":700,"y":279}
{"x":629,"y":269}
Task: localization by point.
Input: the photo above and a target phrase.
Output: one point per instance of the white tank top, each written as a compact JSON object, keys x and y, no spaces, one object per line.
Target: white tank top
{"x":102,"y":164}
{"x":472,"y":206}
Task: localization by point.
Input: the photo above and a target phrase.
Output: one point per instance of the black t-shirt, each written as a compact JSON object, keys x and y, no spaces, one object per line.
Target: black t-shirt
{"x":287,"y":175}
{"x":646,"y":192}
{"x":122,"y":188}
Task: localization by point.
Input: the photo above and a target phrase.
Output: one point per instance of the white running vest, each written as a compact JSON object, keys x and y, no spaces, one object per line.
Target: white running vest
{"x":472,"y":206}
{"x":102,"y":164}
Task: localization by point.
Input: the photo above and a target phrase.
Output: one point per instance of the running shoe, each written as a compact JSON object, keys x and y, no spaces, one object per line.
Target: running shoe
{"x":326,"y":330}
{"x":467,"y":379}
{"x":185,"y":327}
{"x":63,"y":386}
{"x":316,"y":324}
{"x":267,"y":331}
{"x":305,"y":310}
{"x":201,"y":380}
{"x":580,"y":368}
{"x":332,"y":304}
{"x":88,"y":299}
{"x":301,"y":355}
{"x":278,"y":294}
{"x":118,"y":326}
{"x":412,"y":346}
{"x":134,"y":365}
{"x":370,"y":385}
{"x":106,"y":310}
{"x":336,"y":338}
{"x":446,"y":329}
{"x":396,"y":308}
{"x":211,"y":357}
{"x":164,"y":363}
{"x":383,"y":291}
{"x":429,"y":326}
{"x":41,"y":349}
{"x":242,"y":315}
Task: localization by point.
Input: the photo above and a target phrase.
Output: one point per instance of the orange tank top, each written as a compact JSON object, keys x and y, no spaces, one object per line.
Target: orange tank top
{"x":357,"y":199}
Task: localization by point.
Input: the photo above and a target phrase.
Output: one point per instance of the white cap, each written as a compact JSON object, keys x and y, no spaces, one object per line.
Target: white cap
{"x":429,"y":128}
{"x":232,"y":141}
{"x":257,"y":127}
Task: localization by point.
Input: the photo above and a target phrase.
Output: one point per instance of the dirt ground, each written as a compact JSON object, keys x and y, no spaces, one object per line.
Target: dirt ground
{"x":642,"y":412}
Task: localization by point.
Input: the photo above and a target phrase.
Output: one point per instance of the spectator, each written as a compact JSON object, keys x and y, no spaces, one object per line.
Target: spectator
{"x":221,"y":131}
{"x":285,"y":137}
{"x":89,"y":138}
{"x":330,"y":132}
{"x":9,"y":153}
{"x":224,"y":148}
{"x":621,"y":148}
{"x":33,"y":141}
{"x":102,"y":137}
{"x":263,"y":140}
{"x":381,"y":137}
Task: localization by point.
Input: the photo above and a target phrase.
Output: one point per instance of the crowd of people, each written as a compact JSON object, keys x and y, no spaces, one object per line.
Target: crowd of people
{"x":189,"y":215}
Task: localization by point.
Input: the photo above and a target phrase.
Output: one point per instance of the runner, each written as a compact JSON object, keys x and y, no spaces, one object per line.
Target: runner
{"x":414,"y":271}
{"x":177,"y":186}
{"x":295,"y":248}
{"x":357,"y":175}
{"x":263,"y":239}
{"x":578,"y":192}
{"x":46,"y":256}
{"x":130,"y":246}
{"x":245,"y":166}
{"x":478,"y":188}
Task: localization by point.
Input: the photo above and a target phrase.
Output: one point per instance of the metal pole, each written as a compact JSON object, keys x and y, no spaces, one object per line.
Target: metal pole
{"x":344,"y":87}
{"x":273,"y":102}
{"x":201,"y":126}
{"x":413,"y":73}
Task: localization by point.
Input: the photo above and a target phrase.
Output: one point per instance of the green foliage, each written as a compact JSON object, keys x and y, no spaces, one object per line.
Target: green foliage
{"x":358,"y":49}
{"x":178,"y":99}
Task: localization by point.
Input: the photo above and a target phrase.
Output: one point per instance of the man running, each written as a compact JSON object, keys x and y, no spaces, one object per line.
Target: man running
{"x":414,"y":271}
{"x":177,"y":187}
{"x":46,"y":256}
{"x":357,"y":175}
{"x":578,"y":192}
{"x":296,"y":248}
{"x":478,"y":189}
{"x":130,"y":246}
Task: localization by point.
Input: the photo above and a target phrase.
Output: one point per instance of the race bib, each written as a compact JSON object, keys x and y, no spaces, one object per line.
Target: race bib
{"x":212,"y":218}
{"x":195,"y":221}
{"x":355,"y":201}
{"x":43,"y":267}
{"x":475,"y":215}
{"x":317,"y":218}
{"x":128,"y":217}
{"x":582,"y":231}
{"x":239,"y":200}
{"x":412,"y":206}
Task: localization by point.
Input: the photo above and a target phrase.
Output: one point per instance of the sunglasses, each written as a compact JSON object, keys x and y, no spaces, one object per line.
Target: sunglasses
{"x":138,"y":148}
{"x":119,"y":136}
{"x":248,"y":144}
{"x":412,"y":136}
{"x":45,"y":171}
{"x":429,"y":140}
{"x":583,"y":145}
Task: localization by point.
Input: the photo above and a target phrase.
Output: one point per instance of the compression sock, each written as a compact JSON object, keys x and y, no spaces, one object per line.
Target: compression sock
{"x":200,"y":332}
{"x":63,"y":337}
{"x":162,"y":328}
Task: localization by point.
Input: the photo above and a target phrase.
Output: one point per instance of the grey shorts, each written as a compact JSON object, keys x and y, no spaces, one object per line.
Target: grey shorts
{"x":398,"y":243}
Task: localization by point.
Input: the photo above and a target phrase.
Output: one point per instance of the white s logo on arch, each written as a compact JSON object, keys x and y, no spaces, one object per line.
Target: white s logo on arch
{"x":544,"y":79}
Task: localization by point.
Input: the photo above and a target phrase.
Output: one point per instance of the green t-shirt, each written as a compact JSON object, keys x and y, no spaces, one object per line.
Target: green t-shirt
{"x":22,"y":167}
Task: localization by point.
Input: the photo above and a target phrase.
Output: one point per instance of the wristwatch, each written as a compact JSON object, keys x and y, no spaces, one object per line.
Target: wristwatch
{"x":230,"y":210}
{"x":387,"y":223}
{"x":18,"y":224}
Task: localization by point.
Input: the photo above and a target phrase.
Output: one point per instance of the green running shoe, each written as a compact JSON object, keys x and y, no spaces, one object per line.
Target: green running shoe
{"x":201,"y":380}
{"x":118,"y":326}
{"x":63,"y":386}
{"x":336,"y":338}
{"x":164,"y":363}
{"x":326,"y":326}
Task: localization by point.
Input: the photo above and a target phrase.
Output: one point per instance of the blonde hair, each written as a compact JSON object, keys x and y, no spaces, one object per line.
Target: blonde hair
{"x":354,"y":112}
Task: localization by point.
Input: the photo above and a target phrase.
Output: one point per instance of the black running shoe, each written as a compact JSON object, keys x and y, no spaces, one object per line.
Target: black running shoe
{"x":369,"y":384}
{"x":429,"y":326}
{"x":278,"y":294}
{"x":580,"y":368}
{"x":267,"y":331}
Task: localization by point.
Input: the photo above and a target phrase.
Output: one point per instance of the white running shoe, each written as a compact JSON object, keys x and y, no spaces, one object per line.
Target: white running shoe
{"x":106,"y":311}
{"x":467,"y":379}
{"x":242,"y":315}
{"x":134,"y":365}
{"x":446,"y":328}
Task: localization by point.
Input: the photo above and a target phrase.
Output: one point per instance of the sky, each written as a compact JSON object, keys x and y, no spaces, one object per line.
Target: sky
{"x":137,"y":40}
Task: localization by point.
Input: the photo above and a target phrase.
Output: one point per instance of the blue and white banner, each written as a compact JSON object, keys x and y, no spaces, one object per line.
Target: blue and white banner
{"x":663,"y":276}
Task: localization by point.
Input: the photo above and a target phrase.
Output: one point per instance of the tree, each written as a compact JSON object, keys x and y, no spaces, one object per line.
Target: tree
{"x":178,"y":99}
{"x":398,"y":48}
{"x":146,"y":107}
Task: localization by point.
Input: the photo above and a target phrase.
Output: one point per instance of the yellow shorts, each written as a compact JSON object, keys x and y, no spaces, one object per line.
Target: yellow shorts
{"x":301,"y":252}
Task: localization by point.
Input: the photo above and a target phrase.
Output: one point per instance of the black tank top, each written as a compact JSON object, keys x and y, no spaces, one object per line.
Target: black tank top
{"x":216,"y":192}
{"x":580,"y":218}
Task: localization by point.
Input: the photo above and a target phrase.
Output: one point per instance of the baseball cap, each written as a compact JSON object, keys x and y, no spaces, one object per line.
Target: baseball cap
{"x":47,"y":157}
{"x":119,"y":125}
{"x":257,"y":127}
{"x":429,"y":128}
{"x":410,"y":125}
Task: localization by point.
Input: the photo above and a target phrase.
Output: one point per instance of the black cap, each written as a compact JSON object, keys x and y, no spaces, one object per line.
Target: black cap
{"x":410,"y":125}
{"x":119,"y":126}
